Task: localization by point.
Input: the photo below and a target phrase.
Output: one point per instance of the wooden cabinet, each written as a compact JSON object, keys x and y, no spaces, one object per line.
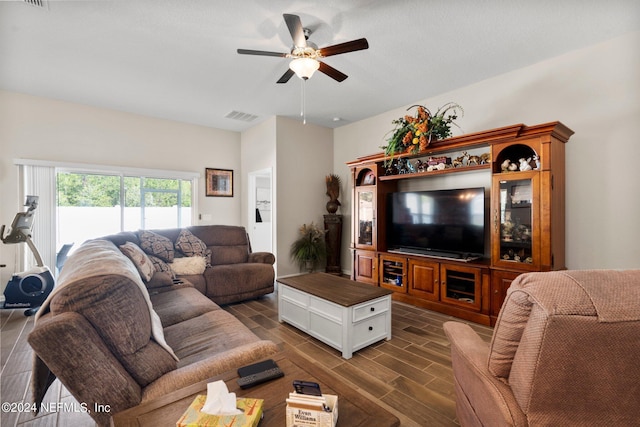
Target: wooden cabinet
{"x":461,"y":285}
{"x":500,"y":282}
{"x":365,"y":267}
{"x":393,"y":272}
{"x":525,"y":231}
{"x":516,"y":232}
{"x":365,"y":204}
{"x":424,"y":279}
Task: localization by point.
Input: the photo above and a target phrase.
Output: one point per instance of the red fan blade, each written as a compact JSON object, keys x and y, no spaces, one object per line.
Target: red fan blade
{"x":332,"y":72}
{"x":295,"y":28}
{"x":351,"y":46}
{"x":286,"y":76}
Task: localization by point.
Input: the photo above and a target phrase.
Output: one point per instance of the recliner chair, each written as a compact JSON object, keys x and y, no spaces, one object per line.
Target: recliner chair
{"x":565,"y":352}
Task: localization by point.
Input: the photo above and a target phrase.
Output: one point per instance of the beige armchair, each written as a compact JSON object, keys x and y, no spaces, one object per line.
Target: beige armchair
{"x":565,"y":352}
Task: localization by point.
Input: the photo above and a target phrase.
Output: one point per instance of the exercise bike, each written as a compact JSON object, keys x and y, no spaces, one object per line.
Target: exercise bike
{"x":29,"y":288}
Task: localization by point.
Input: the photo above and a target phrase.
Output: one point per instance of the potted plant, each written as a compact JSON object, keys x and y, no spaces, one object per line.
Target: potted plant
{"x":414,"y":133}
{"x":309,"y":250}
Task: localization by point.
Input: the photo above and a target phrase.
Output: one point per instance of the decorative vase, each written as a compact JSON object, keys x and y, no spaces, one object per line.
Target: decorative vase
{"x":332,"y":206}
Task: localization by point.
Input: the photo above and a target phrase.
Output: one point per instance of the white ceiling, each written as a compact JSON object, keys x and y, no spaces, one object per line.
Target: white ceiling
{"x":176,"y":59}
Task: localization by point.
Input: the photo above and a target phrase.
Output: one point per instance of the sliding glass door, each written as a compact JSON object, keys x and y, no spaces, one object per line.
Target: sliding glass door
{"x":91,"y":205}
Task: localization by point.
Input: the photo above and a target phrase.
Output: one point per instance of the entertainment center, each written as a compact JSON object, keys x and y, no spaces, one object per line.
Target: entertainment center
{"x":449,"y":228}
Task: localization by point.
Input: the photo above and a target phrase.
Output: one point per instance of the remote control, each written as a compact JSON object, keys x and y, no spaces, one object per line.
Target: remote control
{"x":260,"y":377}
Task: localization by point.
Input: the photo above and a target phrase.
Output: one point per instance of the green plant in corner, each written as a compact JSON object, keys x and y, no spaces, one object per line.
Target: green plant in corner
{"x":309,"y":250}
{"x":414,"y":133}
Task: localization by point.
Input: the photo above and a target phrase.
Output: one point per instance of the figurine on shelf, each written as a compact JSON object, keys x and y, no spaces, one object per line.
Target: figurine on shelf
{"x":505,"y":165}
{"x":421,"y":166}
{"x":513,"y":167}
{"x":524,"y":164}
{"x":458,"y":161}
{"x":402,"y":166}
{"x":473,"y":159}
{"x":485,"y":158}
{"x":536,"y":161}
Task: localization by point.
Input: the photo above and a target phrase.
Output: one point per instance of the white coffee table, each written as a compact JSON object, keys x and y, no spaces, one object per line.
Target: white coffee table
{"x":342,"y":313}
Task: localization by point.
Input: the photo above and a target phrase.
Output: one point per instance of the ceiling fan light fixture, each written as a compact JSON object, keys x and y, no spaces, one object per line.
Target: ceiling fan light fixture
{"x":304,"y":67}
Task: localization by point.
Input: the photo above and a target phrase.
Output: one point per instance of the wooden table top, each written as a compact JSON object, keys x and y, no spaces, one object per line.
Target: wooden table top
{"x":354,"y":410}
{"x":339,"y":290}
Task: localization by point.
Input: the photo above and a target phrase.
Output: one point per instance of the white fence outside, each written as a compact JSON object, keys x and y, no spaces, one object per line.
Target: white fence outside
{"x":78,"y":224}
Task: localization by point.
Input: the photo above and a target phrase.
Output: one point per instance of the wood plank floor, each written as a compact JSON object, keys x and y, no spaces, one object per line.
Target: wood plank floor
{"x":410,"y":375}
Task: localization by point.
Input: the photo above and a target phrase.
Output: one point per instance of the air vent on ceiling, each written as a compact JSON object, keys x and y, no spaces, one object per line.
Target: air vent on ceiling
{"x":238,"y":115}
{"x":38,"y":3}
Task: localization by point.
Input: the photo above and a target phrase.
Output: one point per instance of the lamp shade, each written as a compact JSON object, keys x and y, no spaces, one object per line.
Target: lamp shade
{"x":304,"y":67}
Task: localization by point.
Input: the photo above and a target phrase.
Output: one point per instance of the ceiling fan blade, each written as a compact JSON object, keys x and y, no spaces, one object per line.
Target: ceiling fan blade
{"x":351,"y":46}
{"x":286,"y":76}
{"x":332,"y":72}
{"x":295,"y":28}
{"x":261,"y":53}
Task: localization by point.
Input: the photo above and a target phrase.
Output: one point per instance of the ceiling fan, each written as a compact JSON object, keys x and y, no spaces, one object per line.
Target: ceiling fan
{"x":306,"y":55}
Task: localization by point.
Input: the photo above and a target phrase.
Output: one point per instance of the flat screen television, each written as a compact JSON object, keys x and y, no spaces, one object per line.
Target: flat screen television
{"x":447,"y":223}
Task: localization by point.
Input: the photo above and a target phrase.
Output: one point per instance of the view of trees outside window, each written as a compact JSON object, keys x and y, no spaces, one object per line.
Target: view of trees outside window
{"x":95,"y":205}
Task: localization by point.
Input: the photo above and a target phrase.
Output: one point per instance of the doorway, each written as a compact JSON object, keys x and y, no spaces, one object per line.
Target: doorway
{"x":260,"y":215}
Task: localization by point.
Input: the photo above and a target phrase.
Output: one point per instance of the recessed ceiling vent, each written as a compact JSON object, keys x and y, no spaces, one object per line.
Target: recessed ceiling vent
{"x":238,"y":115}
{"x":38,"y":3}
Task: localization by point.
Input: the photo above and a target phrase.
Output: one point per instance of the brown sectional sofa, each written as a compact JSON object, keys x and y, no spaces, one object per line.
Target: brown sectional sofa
{"x":235,"y":274}
{"x":113,"y":341}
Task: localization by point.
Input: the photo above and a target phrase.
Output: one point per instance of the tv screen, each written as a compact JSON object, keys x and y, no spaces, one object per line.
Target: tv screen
{"x":441,"y":222}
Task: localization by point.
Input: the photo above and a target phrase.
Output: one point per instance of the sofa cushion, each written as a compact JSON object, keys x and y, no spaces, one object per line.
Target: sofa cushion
{"x":222,"y":280}
{"x":157,"y":245}
{"x":213,"y":332}
{"x":160,"y":280}
{"x":229,"y":244}
{"x":140,"y":260}
{"x":181,"y":304}
{"x":188,"y":265}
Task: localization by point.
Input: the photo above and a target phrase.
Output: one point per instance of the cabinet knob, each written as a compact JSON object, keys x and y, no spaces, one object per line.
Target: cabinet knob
{"x":373,"y":309}
{"x":371,"y":328}
{"x":435,"y":281}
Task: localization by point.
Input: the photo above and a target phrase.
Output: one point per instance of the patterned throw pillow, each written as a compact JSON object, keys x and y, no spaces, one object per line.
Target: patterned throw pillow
{"x":155,"y":244}
{"x":161,"y":266}
{"x":191,"y":245}
{"x":139,"y":259}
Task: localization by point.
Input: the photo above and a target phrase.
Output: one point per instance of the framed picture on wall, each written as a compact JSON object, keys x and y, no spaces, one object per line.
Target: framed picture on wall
{"x":219,"y":182}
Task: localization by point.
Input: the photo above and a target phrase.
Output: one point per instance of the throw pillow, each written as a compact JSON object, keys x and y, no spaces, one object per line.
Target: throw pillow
{"x":191,"y":245}
{"x":161,"y":266}
{"x":140,"y":260}
{"x":155,"y":244}
{"x":189,"y":265}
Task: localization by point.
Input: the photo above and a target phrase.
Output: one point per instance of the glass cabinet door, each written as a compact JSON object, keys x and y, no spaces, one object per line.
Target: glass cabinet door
{"x":515,"y":222}
{"x":365,"y":212}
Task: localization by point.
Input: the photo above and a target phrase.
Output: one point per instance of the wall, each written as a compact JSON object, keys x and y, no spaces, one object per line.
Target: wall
{"x":258,"y":152}
{"x":45,"y":129}
{"x":304,"y":159}
{"x":594,"y":91}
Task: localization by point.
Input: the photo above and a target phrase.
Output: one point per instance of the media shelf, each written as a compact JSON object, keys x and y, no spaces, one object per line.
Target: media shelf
{"x":525,"y":230}
{"x":435,"y":172}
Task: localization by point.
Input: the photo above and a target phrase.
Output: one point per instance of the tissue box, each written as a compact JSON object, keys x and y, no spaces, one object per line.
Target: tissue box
{"x":194,"y":418}
{"x":301,"y":416}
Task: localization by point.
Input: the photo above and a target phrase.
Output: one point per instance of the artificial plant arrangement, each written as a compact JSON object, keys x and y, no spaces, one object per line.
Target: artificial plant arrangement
{"x":414,"y":133}
{"x":309,"y":250}
{"x":333,"y":191}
